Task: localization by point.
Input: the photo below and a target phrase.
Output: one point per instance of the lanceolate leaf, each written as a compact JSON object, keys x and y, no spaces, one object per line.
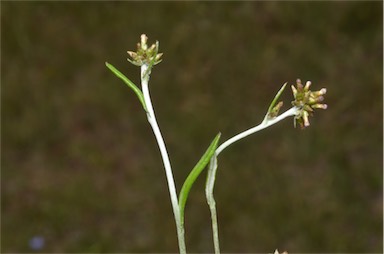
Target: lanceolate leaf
{"x":273,"y":103}
{"x":195,"y":173}
{"x":128,"y":82}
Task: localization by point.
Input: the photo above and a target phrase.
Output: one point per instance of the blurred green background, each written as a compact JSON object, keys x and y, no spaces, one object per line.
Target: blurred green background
{"x":80,"y":165}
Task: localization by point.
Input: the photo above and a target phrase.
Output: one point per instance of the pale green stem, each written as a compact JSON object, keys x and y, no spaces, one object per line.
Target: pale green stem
{"x":211,"y":201}
{"x":145,"y":72}
{"x":213,"y":166}
{"x":266,"y":123}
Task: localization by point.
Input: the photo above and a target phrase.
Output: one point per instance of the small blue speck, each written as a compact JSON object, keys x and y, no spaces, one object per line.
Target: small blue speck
{"x":36,"y":242}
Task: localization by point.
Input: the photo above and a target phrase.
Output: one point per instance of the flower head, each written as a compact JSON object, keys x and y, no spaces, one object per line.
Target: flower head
{"x":277,"y":252}
{"x":306,"y":101}
{"x":145,"y":55}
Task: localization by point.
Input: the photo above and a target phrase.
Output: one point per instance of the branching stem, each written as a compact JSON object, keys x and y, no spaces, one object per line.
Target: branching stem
{"x":266,"y":123}
{"x":213,"y":166}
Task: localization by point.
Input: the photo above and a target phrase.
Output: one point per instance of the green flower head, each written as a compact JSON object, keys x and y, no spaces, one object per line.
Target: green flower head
{"x":145,"y":55}
{"x":306,"y":101}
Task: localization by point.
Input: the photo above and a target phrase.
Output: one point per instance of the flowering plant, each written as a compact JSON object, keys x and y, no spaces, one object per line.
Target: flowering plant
{"x":304,"y":103}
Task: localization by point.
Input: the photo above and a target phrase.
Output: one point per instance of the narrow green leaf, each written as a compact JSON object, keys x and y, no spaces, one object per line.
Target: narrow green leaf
{"x":273,"y":103}
{"x":128,"y":82}
{"x":195,"y":173}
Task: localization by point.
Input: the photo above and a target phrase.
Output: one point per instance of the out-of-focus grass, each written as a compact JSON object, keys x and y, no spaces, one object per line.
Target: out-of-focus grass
{"x":80,"y":165}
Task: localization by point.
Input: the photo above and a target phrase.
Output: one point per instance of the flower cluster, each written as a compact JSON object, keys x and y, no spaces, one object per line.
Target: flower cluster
{"x":306,"y":101}
{"x":277,"y":252}
{"x":145,"y":55}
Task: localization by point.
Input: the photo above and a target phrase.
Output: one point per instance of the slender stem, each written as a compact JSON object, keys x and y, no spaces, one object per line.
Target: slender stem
{"x":266,"y":123}
{"x":164,"y":154}
{"x":212,"y":203}
{"x":213,"y":167}
{"x":215,"y":230}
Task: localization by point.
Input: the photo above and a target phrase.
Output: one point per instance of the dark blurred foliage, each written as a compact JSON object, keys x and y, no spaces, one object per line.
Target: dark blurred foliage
{"x":81,"y":171}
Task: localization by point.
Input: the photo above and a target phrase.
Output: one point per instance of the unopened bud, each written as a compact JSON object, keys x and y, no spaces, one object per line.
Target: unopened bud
{"x":321,"y":106}
{"x":299,"y":85}
{"x":307,"y":85}
{"x":158,"y":56}
{"x":153,"y":46}
{"x":313,"y":100}
{"x":305,"y":118}
{"x":143,"y":40}
{"x":320,"y":92}
{"x":132,"y":54}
